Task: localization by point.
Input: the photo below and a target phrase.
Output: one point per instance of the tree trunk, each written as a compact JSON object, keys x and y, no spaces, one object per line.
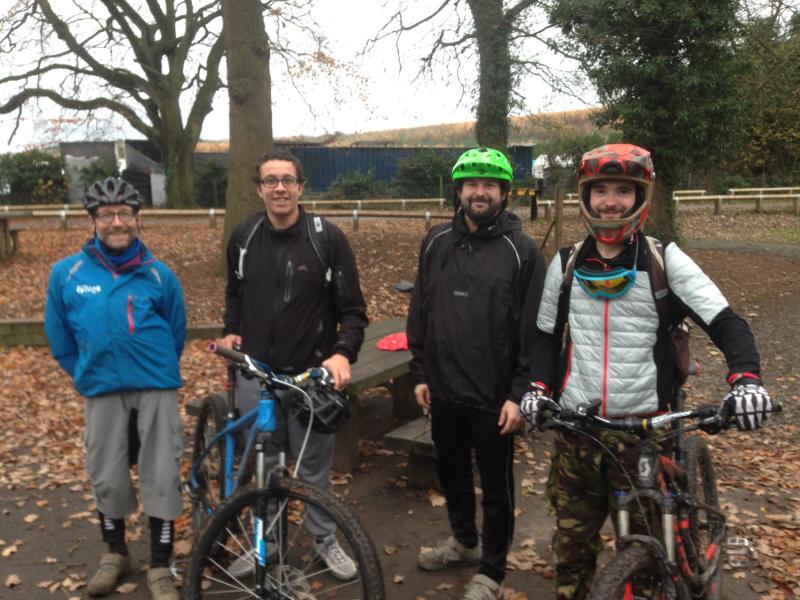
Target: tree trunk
{"x":661,"y":223}
{"x":249,"y":94}
{"x":492,"y":31}
{"x":178,"y":161}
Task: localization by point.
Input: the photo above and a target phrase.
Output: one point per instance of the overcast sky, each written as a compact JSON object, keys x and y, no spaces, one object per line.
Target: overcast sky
{"x":382,"y":95}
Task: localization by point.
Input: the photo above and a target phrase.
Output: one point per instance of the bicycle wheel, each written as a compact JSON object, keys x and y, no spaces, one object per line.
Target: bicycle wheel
{"x":223,"y":563}
{"x":704,"y":526}
{"x":208,"y":493}
{"x":631,"y":575}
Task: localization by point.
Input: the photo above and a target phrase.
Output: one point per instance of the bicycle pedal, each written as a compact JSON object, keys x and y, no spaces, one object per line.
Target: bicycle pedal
{"x":738,"y":552}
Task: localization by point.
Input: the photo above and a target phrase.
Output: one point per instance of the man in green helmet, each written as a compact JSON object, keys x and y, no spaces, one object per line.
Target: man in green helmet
{"x":472,"y":313}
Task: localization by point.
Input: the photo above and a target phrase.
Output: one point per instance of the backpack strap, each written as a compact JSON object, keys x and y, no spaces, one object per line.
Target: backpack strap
{"x":318,"y":234}
{"x":568,"y":256}
{"x":658,"y":278}
{"x":243,"y":248}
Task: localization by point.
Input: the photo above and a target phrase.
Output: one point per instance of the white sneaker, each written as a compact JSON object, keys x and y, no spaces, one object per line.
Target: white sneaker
{"x":330,"y":552}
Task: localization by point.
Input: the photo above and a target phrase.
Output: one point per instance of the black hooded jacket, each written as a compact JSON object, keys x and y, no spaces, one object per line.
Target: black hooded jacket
{"x":285,"y":312}
{"x":473,"y":311}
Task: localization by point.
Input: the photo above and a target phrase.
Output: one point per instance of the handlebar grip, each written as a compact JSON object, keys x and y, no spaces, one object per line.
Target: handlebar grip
{"x":224,"y":352}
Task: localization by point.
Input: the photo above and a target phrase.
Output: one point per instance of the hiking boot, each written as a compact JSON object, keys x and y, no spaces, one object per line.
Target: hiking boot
{"x":482,"y":587}
{"x":450,"y":553}
{"x":161,"y":584}
{"x":113,"y":566}
{"x":330,"y":552}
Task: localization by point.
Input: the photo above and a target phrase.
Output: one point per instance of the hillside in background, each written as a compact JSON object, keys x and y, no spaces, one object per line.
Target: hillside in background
{"x":525,"y":130}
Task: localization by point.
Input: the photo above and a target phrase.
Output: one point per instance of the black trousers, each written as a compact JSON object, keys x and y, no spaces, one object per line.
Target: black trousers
{"x":456,"y":431}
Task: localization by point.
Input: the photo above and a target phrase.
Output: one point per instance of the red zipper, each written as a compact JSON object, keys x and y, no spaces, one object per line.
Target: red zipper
{"x":130,"y":315}
{"x":568,"y":370}
{"x":605,"y":356}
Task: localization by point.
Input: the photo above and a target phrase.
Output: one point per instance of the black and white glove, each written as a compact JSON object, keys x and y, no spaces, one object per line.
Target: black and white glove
{"x":533,"y":405}
{"x":750,"y":403}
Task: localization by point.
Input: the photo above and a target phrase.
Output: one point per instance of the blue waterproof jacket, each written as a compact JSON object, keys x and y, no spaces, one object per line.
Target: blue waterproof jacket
{"x":115,"y":329}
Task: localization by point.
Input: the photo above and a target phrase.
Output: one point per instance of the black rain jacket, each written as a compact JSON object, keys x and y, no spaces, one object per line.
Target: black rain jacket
{"x":285,"y":312}
{"x":473,"y":311}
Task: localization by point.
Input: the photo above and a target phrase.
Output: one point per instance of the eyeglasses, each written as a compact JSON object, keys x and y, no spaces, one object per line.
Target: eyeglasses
{"x":271,"y":182}
{"x":125,"y":216}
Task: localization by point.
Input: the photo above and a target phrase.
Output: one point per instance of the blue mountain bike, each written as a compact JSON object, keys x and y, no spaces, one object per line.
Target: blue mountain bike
{"x":253,"y":543}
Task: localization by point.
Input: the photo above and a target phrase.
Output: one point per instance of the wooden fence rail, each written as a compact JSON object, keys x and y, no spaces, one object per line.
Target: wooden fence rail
{"x":730,"y":199}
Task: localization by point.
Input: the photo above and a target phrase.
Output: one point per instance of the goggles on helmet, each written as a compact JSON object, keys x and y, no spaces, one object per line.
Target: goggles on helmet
{"x":607,"y":283}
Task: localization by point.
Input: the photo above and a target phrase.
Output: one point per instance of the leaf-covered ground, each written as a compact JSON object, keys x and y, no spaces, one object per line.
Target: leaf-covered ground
{"x":49,"y":543}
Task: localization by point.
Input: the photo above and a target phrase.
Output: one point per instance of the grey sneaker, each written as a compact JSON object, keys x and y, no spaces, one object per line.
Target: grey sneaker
{"x":330,"y":552}
{"x":161,"y":584}
{"x":113,"y":566}
{"x":245,"y":565}
{"x":482,"y":587}
{"x":450,"y":553}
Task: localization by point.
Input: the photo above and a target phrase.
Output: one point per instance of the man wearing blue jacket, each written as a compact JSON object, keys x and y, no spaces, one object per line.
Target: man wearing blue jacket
{"x":116,"y":324}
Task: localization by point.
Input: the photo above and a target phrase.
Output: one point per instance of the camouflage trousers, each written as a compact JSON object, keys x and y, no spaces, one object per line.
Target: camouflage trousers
{"x":581,"y":490}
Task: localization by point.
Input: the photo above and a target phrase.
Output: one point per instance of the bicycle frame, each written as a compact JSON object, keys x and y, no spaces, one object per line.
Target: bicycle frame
{"x":661,"y":483}
{"x":260,"y":423}
{"x":259,"y":420}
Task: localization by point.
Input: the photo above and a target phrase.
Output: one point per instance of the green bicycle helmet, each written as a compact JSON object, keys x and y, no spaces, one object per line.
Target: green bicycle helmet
{"x":485,"y":163}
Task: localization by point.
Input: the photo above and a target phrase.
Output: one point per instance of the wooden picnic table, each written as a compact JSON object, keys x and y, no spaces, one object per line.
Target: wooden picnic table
{"x":8,"y":245}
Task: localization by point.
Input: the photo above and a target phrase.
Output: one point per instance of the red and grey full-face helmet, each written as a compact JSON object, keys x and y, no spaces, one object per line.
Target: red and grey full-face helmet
{"x":111,"y":190}
{"x":616,"y":162}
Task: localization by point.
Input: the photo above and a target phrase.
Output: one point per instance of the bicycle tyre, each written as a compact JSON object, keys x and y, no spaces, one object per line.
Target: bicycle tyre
{"x":636,"y":567}
{"x":208,"y":493}
{"x":703,"y":526}
{"x":294,"y":571}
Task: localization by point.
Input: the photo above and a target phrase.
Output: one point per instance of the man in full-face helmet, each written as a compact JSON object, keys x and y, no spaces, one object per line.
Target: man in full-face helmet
{"x":116,"y":324}
{"x":471,"y":315}
{"x":618,"y":296}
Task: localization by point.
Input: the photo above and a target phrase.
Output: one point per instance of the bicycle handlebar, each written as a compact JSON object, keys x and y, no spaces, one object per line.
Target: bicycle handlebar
{"x":232,"y":355}
{"x":585,"y":417}
{"x":248,"y":365}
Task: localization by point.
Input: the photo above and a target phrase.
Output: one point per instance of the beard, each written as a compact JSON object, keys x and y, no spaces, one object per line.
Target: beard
{"x":481,"y":217}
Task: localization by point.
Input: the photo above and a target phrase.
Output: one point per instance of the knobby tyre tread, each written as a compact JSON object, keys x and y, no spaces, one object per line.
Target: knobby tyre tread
{"x":702,"y":485}
{"x":633,"y":562}
{"x":347,"y":523}
{"x":213,"y":413}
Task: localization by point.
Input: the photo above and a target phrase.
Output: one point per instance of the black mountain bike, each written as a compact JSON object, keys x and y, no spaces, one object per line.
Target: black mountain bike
{"x":681,"y":553}
{"x":254,"y":543}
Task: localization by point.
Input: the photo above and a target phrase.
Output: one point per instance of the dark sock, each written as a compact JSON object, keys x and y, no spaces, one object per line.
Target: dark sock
{"x":113,"y":531}
{"x":161,"y":537}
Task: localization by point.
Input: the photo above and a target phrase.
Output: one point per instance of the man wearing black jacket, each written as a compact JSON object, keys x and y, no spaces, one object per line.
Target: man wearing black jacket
{"x":472,"y":313}
{"x":293,"y":301}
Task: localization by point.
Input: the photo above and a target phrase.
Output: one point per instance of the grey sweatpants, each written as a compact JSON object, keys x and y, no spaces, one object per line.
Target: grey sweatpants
{"x":315,"y":467}
{"x":161,"y":434}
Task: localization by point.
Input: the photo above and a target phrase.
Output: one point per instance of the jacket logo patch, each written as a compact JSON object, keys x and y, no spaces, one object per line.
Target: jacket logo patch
{"x":87,"y":289}
{"x":460,"y":294}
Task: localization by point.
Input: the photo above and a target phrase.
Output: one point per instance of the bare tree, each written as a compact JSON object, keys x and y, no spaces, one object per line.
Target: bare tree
{"x":156,"y":63}
{"x":497,"y":36}
{"x":139,"y":61}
